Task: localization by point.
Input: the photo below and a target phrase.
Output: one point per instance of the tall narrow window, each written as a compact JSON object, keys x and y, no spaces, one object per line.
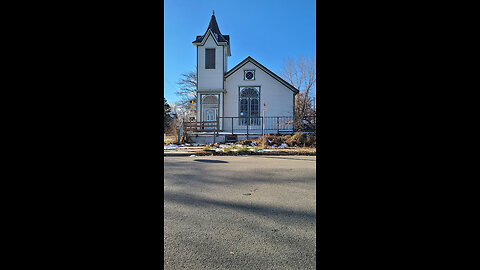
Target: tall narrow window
{"x":209,"y":58}
{"x":249,"y":106}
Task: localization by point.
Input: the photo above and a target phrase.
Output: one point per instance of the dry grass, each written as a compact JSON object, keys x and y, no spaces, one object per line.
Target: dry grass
{"x":307,"y":151}
{"x":295,"y":140}
{"x":169,"y":140}
{"x":245,"y":149}
{"x":173,"y":138}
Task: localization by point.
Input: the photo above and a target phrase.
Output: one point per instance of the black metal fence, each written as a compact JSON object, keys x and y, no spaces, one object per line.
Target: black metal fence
{"x":254,"y":125}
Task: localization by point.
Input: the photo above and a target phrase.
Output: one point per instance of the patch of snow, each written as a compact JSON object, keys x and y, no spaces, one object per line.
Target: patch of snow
{"x":170,"y":146}
{"x":284,"y":145}
{"x":270,"y":141}
{"x":253,"y":144}
{"x":192,"y":156}
{"x":275,"y":145}
{"x":234,"y":150}
{"x":222,"y":146}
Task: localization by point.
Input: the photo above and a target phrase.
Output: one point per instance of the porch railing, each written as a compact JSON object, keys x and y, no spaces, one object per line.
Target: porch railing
{"x":252,"y":125}
{"x":205,"y":126}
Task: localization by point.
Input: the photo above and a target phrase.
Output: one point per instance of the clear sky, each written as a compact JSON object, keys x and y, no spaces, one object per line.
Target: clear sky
{"x":267,"y":30}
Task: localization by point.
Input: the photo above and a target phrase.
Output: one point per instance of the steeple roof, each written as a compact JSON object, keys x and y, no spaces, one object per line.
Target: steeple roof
{"x":213,"y":26}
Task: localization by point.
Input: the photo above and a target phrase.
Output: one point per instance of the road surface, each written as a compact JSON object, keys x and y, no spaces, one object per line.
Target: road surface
{"x":240,"y":212}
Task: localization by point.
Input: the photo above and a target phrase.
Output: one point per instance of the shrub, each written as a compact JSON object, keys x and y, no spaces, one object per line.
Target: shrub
{"x":297,"y":139}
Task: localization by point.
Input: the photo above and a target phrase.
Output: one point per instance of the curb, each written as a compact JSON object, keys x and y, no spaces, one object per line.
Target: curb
{"x":178,"y":154}
{"x":257,"y":154}
{"x":200,"y":154}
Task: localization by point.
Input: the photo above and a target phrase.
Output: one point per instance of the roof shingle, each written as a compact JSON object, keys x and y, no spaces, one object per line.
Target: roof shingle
{"x":215,"y":30}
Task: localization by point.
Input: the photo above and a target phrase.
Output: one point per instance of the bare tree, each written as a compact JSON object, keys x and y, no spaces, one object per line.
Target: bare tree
{"x":180,"y":111}
{"x":303,"y":76}
{"x":187,"y":86}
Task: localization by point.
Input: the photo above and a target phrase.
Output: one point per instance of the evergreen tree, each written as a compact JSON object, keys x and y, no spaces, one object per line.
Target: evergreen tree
{"x":166,"y":114}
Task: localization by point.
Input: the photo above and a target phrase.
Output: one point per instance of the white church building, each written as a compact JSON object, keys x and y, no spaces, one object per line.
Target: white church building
{"x":235,"y":98}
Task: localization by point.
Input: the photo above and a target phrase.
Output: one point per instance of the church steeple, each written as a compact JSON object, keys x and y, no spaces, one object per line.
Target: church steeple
{"x":213,"y":50}
{"x":213,"y":26}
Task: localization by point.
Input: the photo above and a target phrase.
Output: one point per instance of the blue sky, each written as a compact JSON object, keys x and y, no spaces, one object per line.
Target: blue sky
{"x":267,"y":30}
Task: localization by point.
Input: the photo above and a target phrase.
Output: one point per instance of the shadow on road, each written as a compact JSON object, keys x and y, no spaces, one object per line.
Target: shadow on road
{"x":284,"y":234}
{"x":210,"y":161}
{"x":276,"y":213}
{"x":188,"y":174}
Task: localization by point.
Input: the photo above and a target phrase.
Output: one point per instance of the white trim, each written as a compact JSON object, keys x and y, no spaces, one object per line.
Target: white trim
{"x":210,"y":90}
{"x":209,"y":32}
{"x":245,"y":73}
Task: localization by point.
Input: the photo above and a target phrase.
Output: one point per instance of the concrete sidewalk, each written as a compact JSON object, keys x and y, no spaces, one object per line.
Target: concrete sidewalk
{"x":179,"y":153}
{"x":182,"y":151}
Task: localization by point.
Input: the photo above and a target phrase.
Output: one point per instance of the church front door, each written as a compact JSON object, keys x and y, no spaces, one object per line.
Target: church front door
{"x":209,"y":114}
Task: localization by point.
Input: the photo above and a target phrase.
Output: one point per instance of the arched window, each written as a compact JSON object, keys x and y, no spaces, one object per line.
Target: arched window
{"x":210,"y":100}
{"x":249,"y":105}
{"x":249,"y":93}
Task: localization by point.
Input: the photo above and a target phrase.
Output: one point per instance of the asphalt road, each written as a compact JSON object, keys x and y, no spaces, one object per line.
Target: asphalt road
{"x":240,"y":212}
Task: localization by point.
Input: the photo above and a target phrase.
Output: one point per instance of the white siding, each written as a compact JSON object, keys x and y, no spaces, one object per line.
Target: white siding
{"x":210,"y":79}
{"x":278,"y":97}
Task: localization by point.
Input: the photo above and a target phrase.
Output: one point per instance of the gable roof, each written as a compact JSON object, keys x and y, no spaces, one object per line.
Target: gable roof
{"x":266,"y":70}
{"x":213,"y":26}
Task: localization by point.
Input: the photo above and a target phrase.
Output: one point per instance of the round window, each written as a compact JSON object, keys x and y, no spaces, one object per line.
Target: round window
{"x":249,"y":75}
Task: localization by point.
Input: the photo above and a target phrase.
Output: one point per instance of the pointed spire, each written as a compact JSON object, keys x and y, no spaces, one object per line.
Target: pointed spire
{"x":213,"y":26}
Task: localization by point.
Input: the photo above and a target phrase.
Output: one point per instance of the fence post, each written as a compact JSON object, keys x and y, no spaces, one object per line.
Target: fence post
{"x":214,"y":137}
{"x":232,"y":125}
{"x":278,"y":127}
